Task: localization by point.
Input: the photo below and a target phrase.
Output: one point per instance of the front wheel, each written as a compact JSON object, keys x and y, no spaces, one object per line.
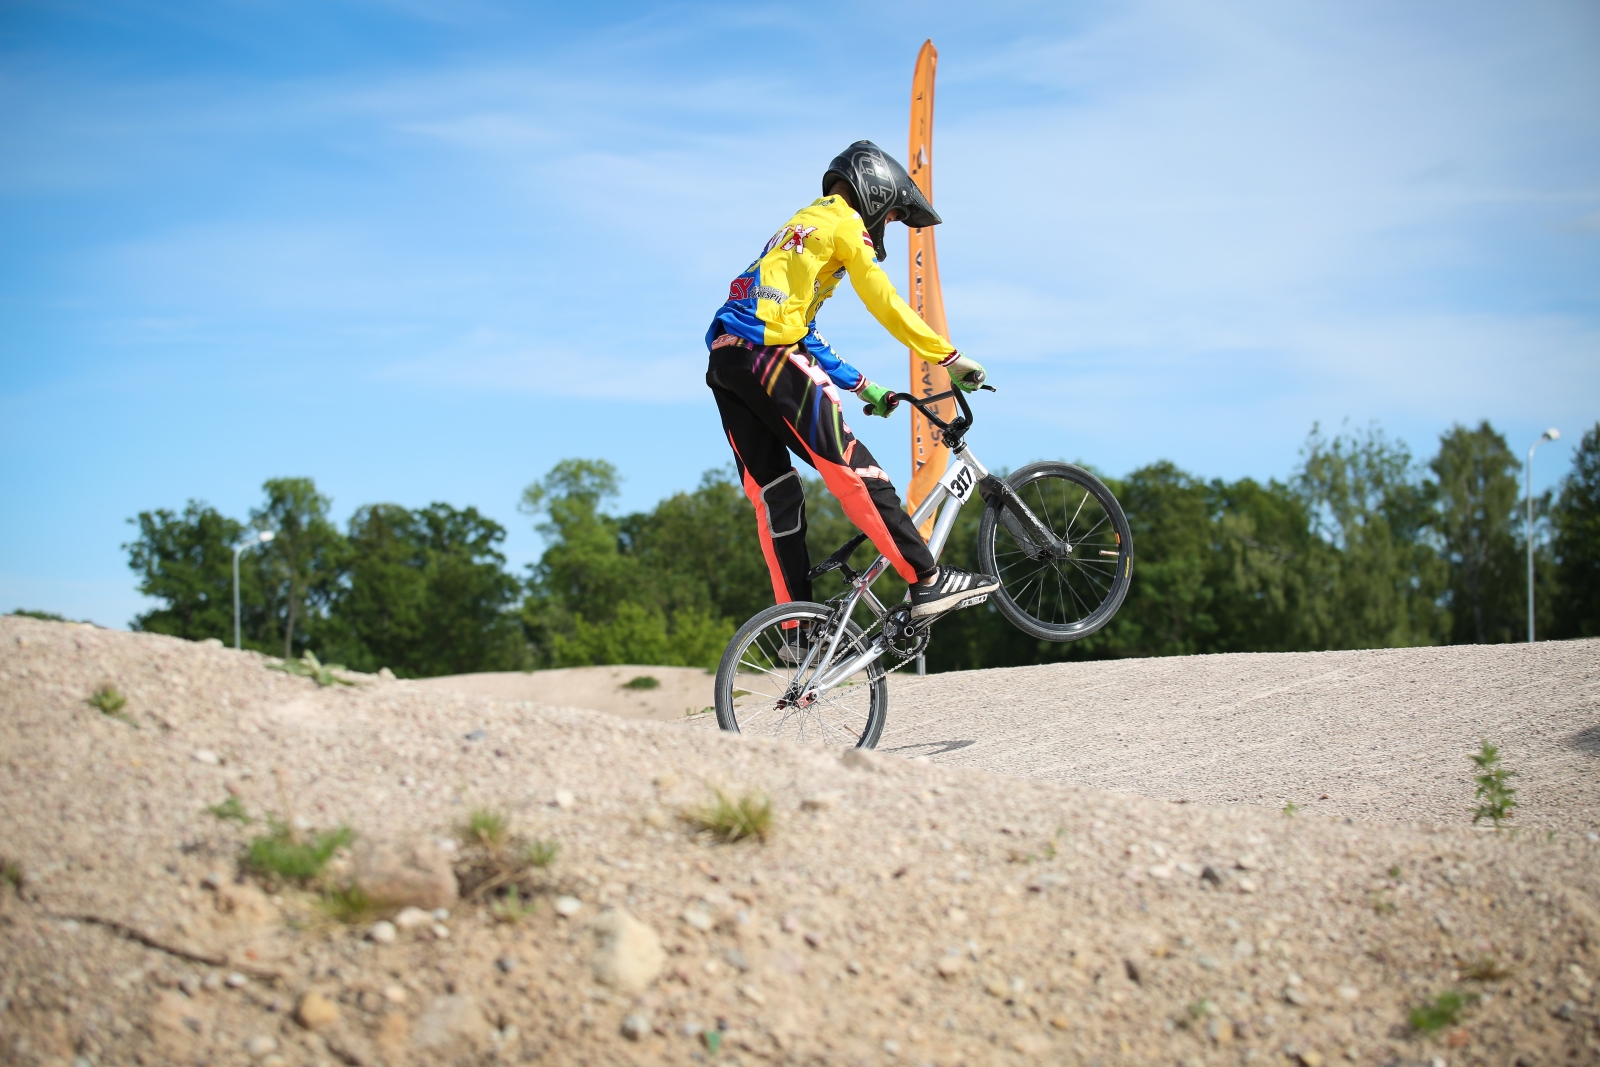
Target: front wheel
{"x":759,"y":691}
{"x":1068,"y":589}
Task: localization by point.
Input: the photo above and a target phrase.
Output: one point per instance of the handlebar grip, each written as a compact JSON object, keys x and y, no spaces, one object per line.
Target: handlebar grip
{"x":866,"y":409}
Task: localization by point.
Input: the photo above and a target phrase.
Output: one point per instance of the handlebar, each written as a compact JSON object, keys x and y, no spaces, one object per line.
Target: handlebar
{"x":923,"y":403}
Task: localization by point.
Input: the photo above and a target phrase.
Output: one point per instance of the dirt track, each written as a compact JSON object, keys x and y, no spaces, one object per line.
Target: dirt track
{"x":901,"y":912}
{"x":1383,"y":734}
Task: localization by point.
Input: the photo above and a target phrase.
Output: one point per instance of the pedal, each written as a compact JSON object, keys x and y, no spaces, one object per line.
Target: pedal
{"x":971,"y":601}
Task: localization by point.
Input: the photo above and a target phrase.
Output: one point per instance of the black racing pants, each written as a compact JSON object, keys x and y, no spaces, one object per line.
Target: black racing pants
{"x":776,"y":400}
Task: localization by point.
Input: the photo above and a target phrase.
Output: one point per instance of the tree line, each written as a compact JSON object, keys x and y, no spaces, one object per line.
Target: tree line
{"x":1362,"y":547}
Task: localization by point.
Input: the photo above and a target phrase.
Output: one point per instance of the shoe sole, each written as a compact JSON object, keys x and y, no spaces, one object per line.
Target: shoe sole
{"x":954,"y":602}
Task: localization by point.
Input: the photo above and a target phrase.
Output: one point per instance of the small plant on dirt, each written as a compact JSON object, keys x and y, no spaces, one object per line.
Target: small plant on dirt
{"x":1382,"y":903}
{"x":691,"y":713}
{"x":732,"y":820}
{"x":643,"y":681}
{"x":1289,"y":808}
{"x":488,"y":828}
{"x":541,"y":854}
{"x":308,"y":666}
{"x":231,"y":810}
{"x":511,"y":908}
{"x":108,"y":701}
{"x":10,"y":872}
{"x":348,"y":904}
{"x":1436,"y":1014}
{"x":283,"y":853}
{"x":1494,"y":793}
{"x":1394,"y":871}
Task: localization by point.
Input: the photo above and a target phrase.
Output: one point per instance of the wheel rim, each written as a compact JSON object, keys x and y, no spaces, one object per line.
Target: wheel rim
{"x":764,"y":686}
{"x":1061,"y":593}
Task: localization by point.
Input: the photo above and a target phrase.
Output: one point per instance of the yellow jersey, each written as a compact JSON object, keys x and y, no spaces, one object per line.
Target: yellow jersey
{"x":776,"y":300}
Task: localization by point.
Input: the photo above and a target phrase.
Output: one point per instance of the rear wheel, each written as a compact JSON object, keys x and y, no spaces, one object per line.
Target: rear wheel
{"x":758,"y":690}
{"x":1068,"y":589}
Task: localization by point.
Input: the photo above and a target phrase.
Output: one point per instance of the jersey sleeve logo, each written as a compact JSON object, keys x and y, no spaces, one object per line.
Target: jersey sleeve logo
{"x":796,"y":241}
{"x":866,"y":238}
{"x":739,"y":288}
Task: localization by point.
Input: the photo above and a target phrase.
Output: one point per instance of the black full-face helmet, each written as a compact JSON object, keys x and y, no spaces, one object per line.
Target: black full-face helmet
{"x":880,"y":184}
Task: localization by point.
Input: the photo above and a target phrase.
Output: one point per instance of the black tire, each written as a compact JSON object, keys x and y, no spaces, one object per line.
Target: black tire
{"x":753,"y":679}
{"x":1058,"y":598}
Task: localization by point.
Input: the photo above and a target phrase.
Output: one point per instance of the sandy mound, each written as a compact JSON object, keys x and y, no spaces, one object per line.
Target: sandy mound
{"x":900,"y":913}
{"x":679,"y":693}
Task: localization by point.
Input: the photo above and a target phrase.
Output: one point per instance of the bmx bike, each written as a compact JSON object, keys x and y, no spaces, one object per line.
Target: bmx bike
{"x":1052,"y":534}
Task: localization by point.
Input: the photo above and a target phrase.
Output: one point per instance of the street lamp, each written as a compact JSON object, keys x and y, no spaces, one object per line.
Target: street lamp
{"x":1552,"y":434}
{"x":261,"y":538}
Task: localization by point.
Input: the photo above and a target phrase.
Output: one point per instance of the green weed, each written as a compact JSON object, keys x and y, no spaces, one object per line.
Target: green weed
{"x":281,"y":852}
{"x":511,"y":908}
{"x":644,"y":681}
{"x":108,"y":701}
{"x":1394,"y":872}
{"x":348,"y":904}
{"x":1438,"y":1013}
{"x":1494,"y":792}
{"x":733,"y":820}
{"x":231,"y":810}
{"x":308,"y":666}
{"x":1289,"y":808}
{"x":488,"y":828}
{"x":541,"y":853}
{"x":11,"y":872}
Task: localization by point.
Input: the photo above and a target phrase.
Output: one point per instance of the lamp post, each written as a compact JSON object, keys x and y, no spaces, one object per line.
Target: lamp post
{"x":1552,"y":434}
{"x":261,"y":538}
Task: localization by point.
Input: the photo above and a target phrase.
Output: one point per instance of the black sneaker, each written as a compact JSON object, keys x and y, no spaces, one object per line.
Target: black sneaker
{"x":954,"y":589}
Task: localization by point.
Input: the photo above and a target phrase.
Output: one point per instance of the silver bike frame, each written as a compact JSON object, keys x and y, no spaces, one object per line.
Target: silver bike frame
{"x":861,"y":589}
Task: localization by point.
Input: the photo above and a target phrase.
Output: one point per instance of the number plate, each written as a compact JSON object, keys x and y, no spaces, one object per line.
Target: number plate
{"x":959,"y":481}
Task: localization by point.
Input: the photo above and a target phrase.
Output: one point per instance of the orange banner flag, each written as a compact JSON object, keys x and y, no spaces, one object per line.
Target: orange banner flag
{"x":929,"y":456}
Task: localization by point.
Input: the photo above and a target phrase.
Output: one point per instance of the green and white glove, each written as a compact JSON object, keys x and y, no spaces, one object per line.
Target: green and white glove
{"x":966,"y":374}
{"x":879,"y":401}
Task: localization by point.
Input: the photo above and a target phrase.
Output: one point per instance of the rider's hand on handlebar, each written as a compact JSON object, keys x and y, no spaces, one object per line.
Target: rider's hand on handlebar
{"x":879,"y":401}
{"x":966,"y":373}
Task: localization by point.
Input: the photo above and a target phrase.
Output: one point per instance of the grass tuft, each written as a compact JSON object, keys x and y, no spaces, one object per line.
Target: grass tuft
{"x":308,"y":666}
{"x":541,"y":854}
{"x":1494,"y":793}
{"x":231,"y":810}
{"x":108,"y":701}
{"x":733,"y":820}
{"x":1442,"y":1011}
{"x":1289,"y":808}
{"x":488,"y":828}
{"x":281,"y":852}
{"x":511,"y":908}
{"x":644,"y":681}
{"x":348,"y":904}
{"x":11,"y":872}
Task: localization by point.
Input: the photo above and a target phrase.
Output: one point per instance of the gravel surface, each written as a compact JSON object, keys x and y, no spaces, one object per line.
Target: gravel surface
{"x":898,"y":912}
{"x":1376,"y":735}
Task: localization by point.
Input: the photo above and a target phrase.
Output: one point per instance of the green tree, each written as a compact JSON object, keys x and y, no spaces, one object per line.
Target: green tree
{"x":1477,"y":519}
{"x":1576,"y":518}
{"x":1381,"y":584}
{"x":426,"y":593}
{"x":186,"y":560}
{"x":300,"y":568}
{"x":639,"y":589}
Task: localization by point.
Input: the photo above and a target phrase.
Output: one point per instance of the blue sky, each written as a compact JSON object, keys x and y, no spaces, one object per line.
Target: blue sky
{"x":421,"y":250}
